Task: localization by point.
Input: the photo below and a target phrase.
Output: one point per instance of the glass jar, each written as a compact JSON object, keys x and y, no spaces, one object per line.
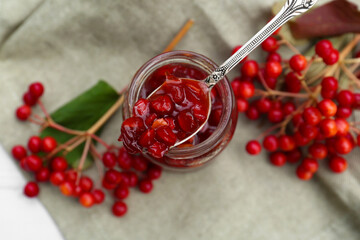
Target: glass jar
{"x":188,"y":65}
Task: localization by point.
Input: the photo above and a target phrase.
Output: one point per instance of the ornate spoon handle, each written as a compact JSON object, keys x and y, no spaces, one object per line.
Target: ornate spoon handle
{"x":291,"y":8}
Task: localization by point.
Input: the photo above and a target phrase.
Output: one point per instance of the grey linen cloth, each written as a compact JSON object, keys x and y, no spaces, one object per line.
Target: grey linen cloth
{"x":69,"y":45}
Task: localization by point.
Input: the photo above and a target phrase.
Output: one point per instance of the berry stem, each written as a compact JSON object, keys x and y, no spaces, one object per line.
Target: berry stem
{"x":179,"y":35}
{"x":42,"y":107}
{"x":74,"y":145}
{"x":350,"y":75}
{"x":97,"y":158}
{"x":288,"y":44}
{"x":107,"y":115}
{"x":351,"y":60}
{"x":62,"y":146}
{"x":83,"y":158}
{"x":95,"y":137}
{"x":52,"y":124}
{"x":32,"y":120}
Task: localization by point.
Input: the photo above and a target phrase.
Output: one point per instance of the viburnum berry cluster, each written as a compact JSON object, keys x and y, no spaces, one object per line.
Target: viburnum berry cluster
{"x":310,"y":121}
{"x":46,"y":159}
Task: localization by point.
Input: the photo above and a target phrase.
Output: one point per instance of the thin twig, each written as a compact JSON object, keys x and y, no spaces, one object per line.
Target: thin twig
{"x":179,"y":36}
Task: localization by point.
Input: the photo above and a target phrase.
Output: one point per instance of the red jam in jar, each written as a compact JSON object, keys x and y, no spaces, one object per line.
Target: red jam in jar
{"x":153,"y":125}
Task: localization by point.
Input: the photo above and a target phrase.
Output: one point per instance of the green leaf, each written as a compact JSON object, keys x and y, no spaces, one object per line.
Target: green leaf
{"x":80,"y":114}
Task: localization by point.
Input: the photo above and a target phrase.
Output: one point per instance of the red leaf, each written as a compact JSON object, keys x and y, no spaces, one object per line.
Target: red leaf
{"x":334,"y":18}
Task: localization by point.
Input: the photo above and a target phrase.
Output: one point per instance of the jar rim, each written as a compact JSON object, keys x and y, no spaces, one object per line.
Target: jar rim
{"x":216,"y":136}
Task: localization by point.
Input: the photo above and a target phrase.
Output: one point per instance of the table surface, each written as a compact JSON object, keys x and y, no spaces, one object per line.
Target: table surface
{"x":21,"y":217}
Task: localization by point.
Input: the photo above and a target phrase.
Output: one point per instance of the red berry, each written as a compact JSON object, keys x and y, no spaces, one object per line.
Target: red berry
{"x":308,"y":131}
{"x":36,"y":89}
{"x":293,"y":156}
{"x":358,"y":140}
{"x":318,"y":151}
{"x":124,"y":159}
{"x":140,"y":163}
{"x":252,"y":113}
{"x":131,"y":178}
{"x":330,"y":144}
{"x":344,"y":112}
{"x":270,"y":82}
{"x":303,"y":173}
{"x":246,"y":90}
{"x":328,"y":127}
{"x":242,"y":104}
{"x":342,"y":126}
{"x":187,"y":121}
{"x":292,"y":82}
{"x":33,"y":163}
{"x":331,"y":94}
{"x":329,"y":84}
{"x":162,"y":104}
{"x":109,"y":159}
{"x":297,"y":120}
{"x":23,"y":112}
{"x":298,"y":62}
{"x":278,"y":158}
{"x":119,"y":209}
{"x":235,"y":85}
{"x":270,"y":44}
{"x":31,"y":189}
{"x":121,"y":192}
{"x":332,"y":57}
{"x":71,"y":175}
{"x":48,"y":144}
{"x":253,"y":147}
{"x":338,"y":164}
{"x":356,"y":103}
{"x":288,"y":108}
{"x":86,"y":183}
{"x":275,"y":115}
{"x":300,"y":140}
{"x":273,"y":69}
{"x":67,"y":188}
{"x":263,"y":105}
{"x":343,"y":145}
{"x":286,"y":143}
{"x":147,"y":138}
{"x":250,"y":68}
{"x":271,"y":143}
{"x":154,"y":172}
{"x":327,"y":108}
{"x":345,"y":98}
{"x":274,"y":56}
{"x":310,"y":165}
{"x":166,"y":135}
{"x":18,"y":152}
{"x":312,"y":115}
{"x":59,"y":164}
{"x":34,"y":144}
{"x":98,"y":195}
{"x":43,"y":175}
{"x":86,"y":199}
{"x":112,"y":176}
{"x":56,"y":178}
{"x":157,"y":149}
{"x":323,"y":48}
{"x":29,"y":99}
{"x":141,"y":108}
{"x":145,"y":185}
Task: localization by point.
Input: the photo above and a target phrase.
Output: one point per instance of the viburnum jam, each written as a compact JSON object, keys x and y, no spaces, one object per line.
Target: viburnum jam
{"x":171,"y":114}
{"x":177,"y":111}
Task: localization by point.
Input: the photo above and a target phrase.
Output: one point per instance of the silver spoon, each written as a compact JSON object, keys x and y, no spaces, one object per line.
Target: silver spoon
{"x":291,"y":9}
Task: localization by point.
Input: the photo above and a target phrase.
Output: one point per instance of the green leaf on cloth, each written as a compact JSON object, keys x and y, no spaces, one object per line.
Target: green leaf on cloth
{"x":334,"y":18}
{"x":80,"y":114}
